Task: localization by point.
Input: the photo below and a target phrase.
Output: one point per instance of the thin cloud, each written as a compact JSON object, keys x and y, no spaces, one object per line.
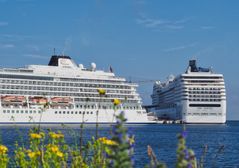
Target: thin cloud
{"x":36,"y":56}
{"x":161,"y":23}
{"x":3,"y":23}
{"x":174,"y":27}
{"x":5,"y":46}
{"x":14,"y":37}
{"x":180,"y":47}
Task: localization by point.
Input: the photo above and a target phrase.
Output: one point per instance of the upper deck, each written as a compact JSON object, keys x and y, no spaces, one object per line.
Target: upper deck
{"x":63,"y":67}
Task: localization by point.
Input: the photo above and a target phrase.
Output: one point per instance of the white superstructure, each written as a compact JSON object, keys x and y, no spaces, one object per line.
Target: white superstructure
{"x":64,"y":92}
{"x":196,"y":96}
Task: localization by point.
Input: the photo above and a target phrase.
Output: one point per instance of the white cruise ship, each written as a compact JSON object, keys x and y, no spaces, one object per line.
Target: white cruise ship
{"x":196,"y":96}
{"x":64,"y":92}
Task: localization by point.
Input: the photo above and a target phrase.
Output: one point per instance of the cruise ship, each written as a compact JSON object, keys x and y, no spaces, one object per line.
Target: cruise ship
{"x":63,"y":92}
{"x":196,"y":96}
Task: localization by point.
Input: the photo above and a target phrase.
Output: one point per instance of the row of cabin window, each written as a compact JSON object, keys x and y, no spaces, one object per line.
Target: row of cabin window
{"x":204,"y":89}
{"x":202,"y":92}
{"x":211,"y":100}
{"x":204,"y":114}
{"x":55,"y":88}
{"x":22,"y":111}
{"x":73,"y":112}
{"x":207,"y":96}
{"x":85,"y":80}
{"x":87,"y":84}
{"x":200,"y":81}
{"x":34,"y":111}
{"x":107,"y":107}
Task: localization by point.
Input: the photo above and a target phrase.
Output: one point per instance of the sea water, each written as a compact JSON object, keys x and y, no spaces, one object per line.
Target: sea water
{"x":222,"y":140}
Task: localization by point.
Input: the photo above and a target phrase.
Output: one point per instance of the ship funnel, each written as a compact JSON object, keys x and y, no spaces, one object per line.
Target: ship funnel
{"x":193,"y":65}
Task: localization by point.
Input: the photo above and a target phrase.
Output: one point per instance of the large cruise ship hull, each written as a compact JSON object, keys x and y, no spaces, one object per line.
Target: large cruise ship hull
{"x":194,"y":115}
{"x":68,"y":116}
{"x":204,"y":115}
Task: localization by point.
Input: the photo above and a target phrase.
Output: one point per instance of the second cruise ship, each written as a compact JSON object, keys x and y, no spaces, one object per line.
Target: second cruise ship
{"x":196,"y":96}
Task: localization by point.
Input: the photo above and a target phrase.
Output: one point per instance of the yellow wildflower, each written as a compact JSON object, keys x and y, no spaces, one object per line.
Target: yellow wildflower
{"x":3,"y":149}
{"x":116,"y":102}
{"x":131,"y":140}
{"x":53,"y":148}
{"x":35,"y":136}
{"x":59,"y":154}
{"x":55,"y":135}
{"x":101,"y":92}
{"x":106,"y":141}
{"x":33,"y":154}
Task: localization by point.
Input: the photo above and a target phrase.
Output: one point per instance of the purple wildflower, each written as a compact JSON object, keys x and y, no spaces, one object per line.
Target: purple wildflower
{"x":189,"y":165}
{"x":184,"y":134}
{"x":186,"y":154}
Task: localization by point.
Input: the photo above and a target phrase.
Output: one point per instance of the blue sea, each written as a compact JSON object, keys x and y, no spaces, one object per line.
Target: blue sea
{"x":222,"y":141}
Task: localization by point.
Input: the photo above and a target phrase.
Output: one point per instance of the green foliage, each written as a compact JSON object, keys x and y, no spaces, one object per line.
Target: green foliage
{"x":122,"y":153}
{"x":185,"y":157}
{"x":48,"y":149}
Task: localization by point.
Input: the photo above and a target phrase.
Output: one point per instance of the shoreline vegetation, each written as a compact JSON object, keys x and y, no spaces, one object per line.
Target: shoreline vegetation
{"x":48,"y":149}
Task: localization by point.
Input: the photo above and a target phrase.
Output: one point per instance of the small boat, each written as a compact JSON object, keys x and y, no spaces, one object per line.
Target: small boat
{"x":38,"y":100}
{"x":13,"y":99}
{"x":61,"y":100}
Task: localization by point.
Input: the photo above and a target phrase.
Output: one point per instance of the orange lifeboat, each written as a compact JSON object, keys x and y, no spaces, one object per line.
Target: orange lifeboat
{"x":38,"y":100}
{"x":61,"y":100}
{"x":13,"y":99}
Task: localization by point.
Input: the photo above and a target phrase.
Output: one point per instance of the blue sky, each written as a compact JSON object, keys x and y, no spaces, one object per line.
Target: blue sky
{"x":140,"y":39}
